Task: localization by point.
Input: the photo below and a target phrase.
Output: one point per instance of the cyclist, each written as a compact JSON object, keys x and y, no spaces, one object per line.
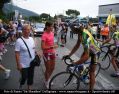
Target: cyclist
{"x":87,"y":40}
{"x":115,"y":52}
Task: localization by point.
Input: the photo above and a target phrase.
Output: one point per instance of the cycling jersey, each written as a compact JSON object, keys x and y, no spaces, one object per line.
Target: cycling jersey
{"x":115,"y":36}
{"x":89,"y":42}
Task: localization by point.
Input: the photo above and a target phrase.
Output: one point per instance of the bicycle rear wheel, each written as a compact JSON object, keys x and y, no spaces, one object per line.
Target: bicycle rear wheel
{"x":104,"y":60}
{"x":64,"y":81}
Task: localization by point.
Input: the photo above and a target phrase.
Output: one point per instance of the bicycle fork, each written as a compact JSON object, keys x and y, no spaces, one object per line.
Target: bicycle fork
{"x":68,"y":80}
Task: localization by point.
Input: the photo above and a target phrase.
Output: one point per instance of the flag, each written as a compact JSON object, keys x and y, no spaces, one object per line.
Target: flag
{"x":111,"y":20}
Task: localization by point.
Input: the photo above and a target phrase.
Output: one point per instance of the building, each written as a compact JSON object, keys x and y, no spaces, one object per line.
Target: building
{"x":105,"y":10}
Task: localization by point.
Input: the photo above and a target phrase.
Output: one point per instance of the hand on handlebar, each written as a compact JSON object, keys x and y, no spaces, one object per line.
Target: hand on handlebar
{"x":65,"y":57}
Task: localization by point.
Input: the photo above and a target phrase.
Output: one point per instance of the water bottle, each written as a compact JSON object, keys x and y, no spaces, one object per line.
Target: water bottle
{"x":86,"y":69}
{"x":86,"y":79}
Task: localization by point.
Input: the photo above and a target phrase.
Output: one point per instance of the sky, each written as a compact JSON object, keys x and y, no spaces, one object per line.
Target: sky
{"x":52,"y":7}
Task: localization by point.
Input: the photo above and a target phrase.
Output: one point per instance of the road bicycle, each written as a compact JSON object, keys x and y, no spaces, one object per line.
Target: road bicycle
{"x":73,"y":78}
{"x":104,"y":57}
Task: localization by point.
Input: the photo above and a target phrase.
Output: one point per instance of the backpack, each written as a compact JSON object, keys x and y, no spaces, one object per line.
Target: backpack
{"x":93,"y":45}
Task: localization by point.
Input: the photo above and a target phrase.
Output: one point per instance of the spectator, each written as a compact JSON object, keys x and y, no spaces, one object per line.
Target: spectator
{"x":98,"y":31}
{"x":19,"y":29}
{"x":23,"y":59}
{"x":93,"y":30}
{"x":48,"y":47}
{"x":71,"y":31}
{"x":105,"y":32}
{"x":64,"y":35}
{"x":2,"y":40}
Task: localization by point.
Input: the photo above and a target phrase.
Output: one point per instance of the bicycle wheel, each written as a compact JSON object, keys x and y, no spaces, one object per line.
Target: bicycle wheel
{"x":64,"y":81}
{"x":104,"y":60}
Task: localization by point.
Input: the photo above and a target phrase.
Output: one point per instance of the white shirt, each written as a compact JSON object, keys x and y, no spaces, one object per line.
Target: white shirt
{"x":24,"y":55}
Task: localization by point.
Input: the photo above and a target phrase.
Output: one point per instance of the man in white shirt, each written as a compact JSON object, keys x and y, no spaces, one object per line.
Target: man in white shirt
{"x":22,"y":57}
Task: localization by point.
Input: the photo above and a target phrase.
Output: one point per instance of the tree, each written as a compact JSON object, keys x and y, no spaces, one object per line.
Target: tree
{"x":73,"y":13}
{"x":45,"y":16}
{"x":2,"y":2}
{"x":62,"y":17}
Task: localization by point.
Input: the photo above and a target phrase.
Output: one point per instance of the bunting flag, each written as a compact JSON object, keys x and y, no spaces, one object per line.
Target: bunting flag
{"x":111,"y":20}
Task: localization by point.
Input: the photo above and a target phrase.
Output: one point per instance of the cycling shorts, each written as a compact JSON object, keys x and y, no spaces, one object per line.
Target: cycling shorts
{"x":93,"y":58}
{"x":49,"y":56}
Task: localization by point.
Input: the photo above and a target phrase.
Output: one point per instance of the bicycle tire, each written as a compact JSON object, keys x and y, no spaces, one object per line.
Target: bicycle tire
{"x":61,"y":79}
{"x":104,"y":60}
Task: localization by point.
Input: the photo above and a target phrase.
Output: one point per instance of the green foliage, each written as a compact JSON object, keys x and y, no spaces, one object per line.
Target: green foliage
{"x":71,"y":12}
{"x":44,"y":15}
{"x":42,"y":18}
{"x":2,"y":2}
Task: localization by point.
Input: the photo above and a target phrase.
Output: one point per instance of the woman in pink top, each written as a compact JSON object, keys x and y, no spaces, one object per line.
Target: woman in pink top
{"x":48,"y":47}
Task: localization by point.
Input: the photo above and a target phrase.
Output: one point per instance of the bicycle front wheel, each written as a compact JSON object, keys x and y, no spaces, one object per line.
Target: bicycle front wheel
{"x":64,"y":81}
{"x":104,"y":60}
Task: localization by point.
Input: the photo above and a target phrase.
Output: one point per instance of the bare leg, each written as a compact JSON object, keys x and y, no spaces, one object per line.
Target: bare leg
{"x":114,"y":64}
{"x":2,"y":67}
{"x":49,"y":69}
{"x":29,"y":87}
{"x":92,"y":76}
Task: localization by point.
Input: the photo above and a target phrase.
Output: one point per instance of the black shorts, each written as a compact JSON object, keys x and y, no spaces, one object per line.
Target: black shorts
{"x":93,"y":58}
{"x":27,"y":74}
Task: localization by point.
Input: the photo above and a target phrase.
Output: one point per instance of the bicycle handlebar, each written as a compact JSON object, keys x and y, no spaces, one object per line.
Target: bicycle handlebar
{"x":68,"y":61}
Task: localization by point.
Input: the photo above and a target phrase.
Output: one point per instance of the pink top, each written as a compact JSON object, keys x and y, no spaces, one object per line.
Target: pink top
{"x":48,"y":38}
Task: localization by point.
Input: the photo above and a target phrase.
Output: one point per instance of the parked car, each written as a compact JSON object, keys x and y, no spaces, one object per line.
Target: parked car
{"x":38,"y":29}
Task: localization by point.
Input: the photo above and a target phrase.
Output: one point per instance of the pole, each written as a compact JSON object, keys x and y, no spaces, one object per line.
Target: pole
{"x":11,"y":16}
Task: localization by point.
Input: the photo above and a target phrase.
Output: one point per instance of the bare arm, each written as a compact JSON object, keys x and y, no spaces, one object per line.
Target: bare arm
{"x":17,"y":55}
{"x":76,"y":46}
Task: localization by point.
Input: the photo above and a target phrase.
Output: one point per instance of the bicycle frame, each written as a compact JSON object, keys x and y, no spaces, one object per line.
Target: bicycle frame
{"x":67,"y":77}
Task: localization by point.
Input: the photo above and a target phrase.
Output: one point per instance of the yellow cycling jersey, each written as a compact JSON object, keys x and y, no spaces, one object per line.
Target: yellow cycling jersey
{"x":90,"y":42}
{"x":115,"y":36}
